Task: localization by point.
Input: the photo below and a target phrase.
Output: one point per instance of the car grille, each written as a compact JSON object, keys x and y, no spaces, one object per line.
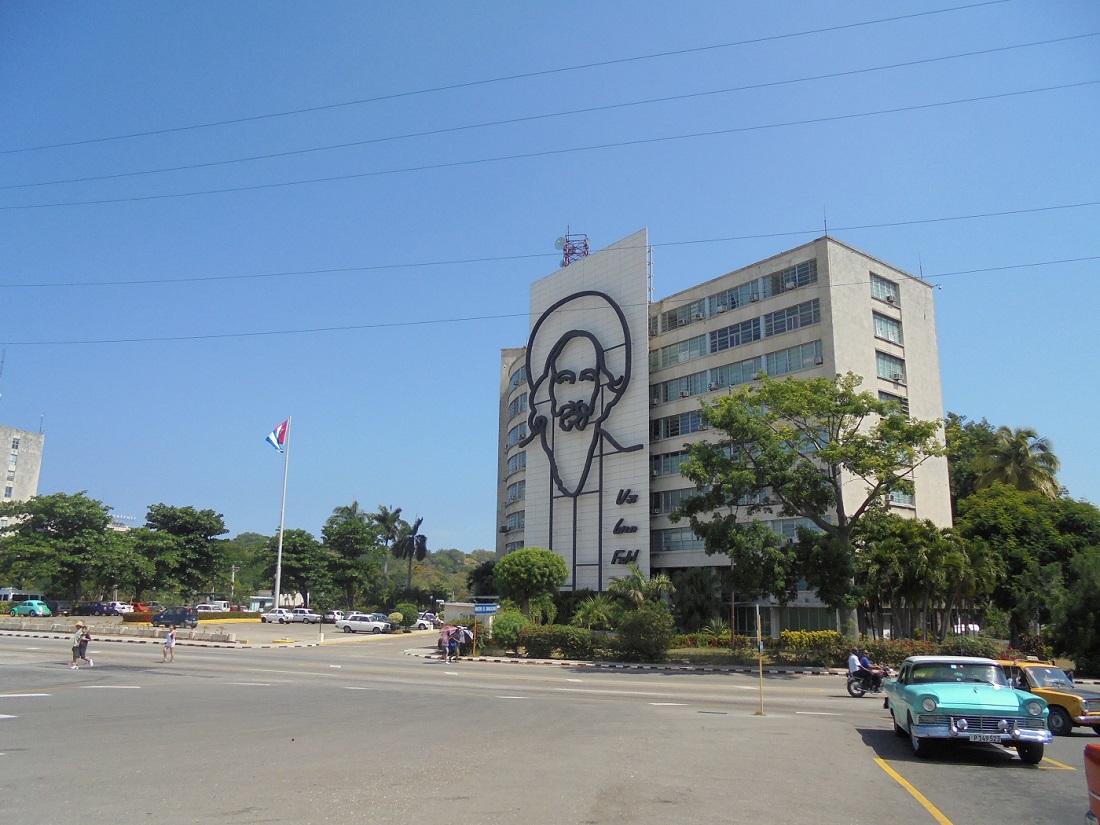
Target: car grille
{"x":1092,"y":705}
{"x":981,"y":724}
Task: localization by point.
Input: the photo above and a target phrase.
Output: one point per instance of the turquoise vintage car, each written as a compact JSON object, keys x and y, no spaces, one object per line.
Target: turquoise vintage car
{"x":964,"y":699}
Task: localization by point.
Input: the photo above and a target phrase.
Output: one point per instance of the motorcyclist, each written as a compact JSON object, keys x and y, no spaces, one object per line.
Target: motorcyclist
{"x":870,"y":673}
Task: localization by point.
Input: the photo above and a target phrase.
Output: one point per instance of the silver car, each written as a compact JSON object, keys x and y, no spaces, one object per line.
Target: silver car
{"x":361,"y":623}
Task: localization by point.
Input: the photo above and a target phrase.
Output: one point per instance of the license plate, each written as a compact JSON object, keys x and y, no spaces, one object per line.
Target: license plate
{"x":985,"y":737}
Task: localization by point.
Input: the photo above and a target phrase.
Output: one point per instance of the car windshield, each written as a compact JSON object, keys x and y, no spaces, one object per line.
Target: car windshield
{"x":1043,"y":677}
{"x":927,"y":672}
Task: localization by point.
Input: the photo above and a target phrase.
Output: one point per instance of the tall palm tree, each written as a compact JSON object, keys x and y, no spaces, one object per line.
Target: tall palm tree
{"x":349,"y":512}
{"x":409,"y":545}
{"x":389,"y":525}
{"x":1020,"y":459}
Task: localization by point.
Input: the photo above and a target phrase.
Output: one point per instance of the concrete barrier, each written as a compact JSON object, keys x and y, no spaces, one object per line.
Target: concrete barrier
{"x":27,"y":625}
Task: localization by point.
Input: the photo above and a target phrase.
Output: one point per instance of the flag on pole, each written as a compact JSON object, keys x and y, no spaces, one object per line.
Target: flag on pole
{"x":278,"y":436}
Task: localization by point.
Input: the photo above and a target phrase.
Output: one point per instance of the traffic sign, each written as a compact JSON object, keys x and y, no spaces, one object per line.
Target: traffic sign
{"x":483,"y":609}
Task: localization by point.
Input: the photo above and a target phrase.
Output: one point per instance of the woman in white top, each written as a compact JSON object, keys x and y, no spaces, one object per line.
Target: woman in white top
{"x":170,"y":644}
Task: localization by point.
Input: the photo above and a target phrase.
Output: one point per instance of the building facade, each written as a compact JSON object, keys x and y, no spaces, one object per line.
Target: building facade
{"x":23,"y":465}
{"x":596,"y":411}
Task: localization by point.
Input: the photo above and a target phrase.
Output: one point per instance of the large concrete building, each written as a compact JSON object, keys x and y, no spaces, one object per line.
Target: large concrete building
{"x":596,"y":410}
{"x":24,"y":463}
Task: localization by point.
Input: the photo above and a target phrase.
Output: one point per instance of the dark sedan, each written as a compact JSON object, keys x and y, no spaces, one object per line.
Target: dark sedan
{"x":94,"y":609}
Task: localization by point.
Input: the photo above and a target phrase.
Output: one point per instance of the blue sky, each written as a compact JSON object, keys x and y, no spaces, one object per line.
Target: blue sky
{"x":163,"y":326}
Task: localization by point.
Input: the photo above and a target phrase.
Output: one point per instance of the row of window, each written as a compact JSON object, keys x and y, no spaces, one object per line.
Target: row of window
{"x":889,"y":367}
{"x":781,"y":362}
{"x":516,"y":491}
{"x":676,"y":539}
{"x":517,"y":462}
{"x":666,"y":501}
{"x":517,"y":434}
{"x":515,"y":521}
{"x":518,"y":377}
{"x":517,"y":405}
{"x":512,"y":545}
{"x":775,"y":283}
{"x":7,"y":492}
{"x":885,"y":290}
{"x":805,"y":314}
{"x":15,"y":445}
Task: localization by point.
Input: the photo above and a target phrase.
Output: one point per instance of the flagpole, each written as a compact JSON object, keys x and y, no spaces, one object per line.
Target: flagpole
{"x":282,"y":518}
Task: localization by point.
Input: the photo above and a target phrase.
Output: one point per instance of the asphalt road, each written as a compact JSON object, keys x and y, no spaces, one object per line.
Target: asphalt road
{"x":362,"y":732}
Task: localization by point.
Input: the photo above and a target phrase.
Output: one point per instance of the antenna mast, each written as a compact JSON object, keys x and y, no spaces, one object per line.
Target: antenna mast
{"x":572,"y":247}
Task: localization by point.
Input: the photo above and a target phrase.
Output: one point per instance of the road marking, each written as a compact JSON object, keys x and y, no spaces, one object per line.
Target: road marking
{"x":917,"y":795}
{"x":1059,"y":765}
{"x":32,"y":648}
{"x":513,"y":697}
{"x":20,"y":695}
{"x":574,"y":680}
{"x":610,"y":692}
{"x":668,"y":704}
{"x":251,"y":684}
{"x":814,"y":713}
{"x":111,"y":687}
{"x":356,"y":687}
{"x":336,"y":666}
{"x":7,"y":716}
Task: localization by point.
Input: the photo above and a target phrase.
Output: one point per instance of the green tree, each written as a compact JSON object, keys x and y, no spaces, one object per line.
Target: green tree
{"x":409,"y":613}
{"x":529,"y":572}
{"x":814,"y":448}
{"x":480,"y":580}
{"x":966,"y":440}
{"x":597,"y":612}
{"x":1076,"y":630}
{"x":1019,"y":458}
{"x":305,"y":567}
{"x":390,"y":524}
{"x":411,"y":544}
{"x":697,"y":601}
{"x":354,"y":547}
{"x":162,"y":556}
{"x":197,"y":547}
{"x":634,"y":589}
{"x":56,"y":542}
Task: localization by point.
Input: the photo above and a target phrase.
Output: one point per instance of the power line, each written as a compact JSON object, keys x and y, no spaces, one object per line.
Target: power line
{"x":504,"y":78}
{"x":553,"y":152}
{"x":536,"y":255}
{"x":438,"y":321}
{"x":543,"y":116}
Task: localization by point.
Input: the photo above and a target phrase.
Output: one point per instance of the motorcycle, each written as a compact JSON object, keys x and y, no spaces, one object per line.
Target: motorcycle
{"x":858,"y":686}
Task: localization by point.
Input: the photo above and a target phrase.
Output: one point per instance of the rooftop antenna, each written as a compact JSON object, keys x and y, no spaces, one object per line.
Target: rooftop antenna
{"x":571,"y":247}
{"x":825,"y":217}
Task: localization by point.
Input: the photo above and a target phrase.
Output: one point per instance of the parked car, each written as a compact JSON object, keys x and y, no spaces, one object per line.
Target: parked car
{"x":305,"y":615}
{"x":31,"y":607}
{"x":141,"y":607}
{"x":356,"y":622}
{"x":90,"y":609}
{"x":331,"y":616}
{"x":1069,"y":705}
{"x":940,"y":699}
{"x":59,"y":608}
{"x":208,"y":608}
{"x":178,"y":616}
{"x":118,"y":608}
{"x":426,"y":621}
{"x":278,"y":614}
{"x":382,"y":617}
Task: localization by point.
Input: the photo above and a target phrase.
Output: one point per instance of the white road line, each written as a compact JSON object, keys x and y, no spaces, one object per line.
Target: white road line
{"x":612,"y":692}
{"x":336,"y":666}
{"x":356,"y":687}
{"x":669,"y":704}
{"x":20,"y":695}
{"x":250,"y":684}
{"x":513,"y":697}
{"x":574,"y":680}
{"x":7,"y":716}
{"x":111,"y":687}
{"x":814,"y":713}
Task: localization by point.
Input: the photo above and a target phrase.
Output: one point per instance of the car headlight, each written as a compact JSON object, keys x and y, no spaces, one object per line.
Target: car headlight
{"x":928,"y":704}
{"x":1034,"y":708}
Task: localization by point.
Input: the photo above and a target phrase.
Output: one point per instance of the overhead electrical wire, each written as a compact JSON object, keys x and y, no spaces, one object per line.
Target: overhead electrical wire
{"x":544,"y":116}
{"x":535,"y":255}
{"x":552,"y":152}
{"x":456,"y":320}
{"x":505,"y":78}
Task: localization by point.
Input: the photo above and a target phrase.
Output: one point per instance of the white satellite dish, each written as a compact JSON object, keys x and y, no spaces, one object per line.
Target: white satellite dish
{"x":559,"y":244}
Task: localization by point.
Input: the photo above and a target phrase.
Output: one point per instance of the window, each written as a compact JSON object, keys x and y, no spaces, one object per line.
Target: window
{"x":517,"y":406}
{"x":792,"y":277}
{"x":515,"y":520}
{"x":792,"y":318}
{"x":889,"y":367}
{"x":676,"y":425}
{"x":518,"y":377}
{"x":734,"y":298}
{"x":11,"y":475}
{"x":793,"y":359}
{"x":674,"y":539}
{"x":13,"y":459}
{"x":668,"y":464}
{"x":735,"y":336}
{"x":885,"y":290}
{"x":7,"y":492}
{"x":740,"y":373}
{"x":903,"y":403}
{"x":668,"y":500}
{"x":673,"y":354}
{"x":889,"y":329}
{"x":15,"y":445}
{"x":681,"y":316}
{"x":517,"y":462}
{"x":512,"y":545}
{"x":517,"y":491}
{"x":902,"y":498}
{"x":517,"y":434}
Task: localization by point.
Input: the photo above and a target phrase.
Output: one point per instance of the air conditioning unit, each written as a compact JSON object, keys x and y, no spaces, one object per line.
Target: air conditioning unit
{"x":889,"y":299}
{"x":504,"y":528}
{"x":682,"y":322}
{"x":704,"y":426}
{"x":819,"y":360}
{"x":790,"y":285}
{"x":712,"y":386}
{"x":654,"y":402}
{"x":722,"y":309}
{"x":897,"y":376}
{"x":698,"y":316}
{"x":655,"y":473}
{"x":656,"y":511}
{"x":685,"y":394}
{"x":754,"y":298}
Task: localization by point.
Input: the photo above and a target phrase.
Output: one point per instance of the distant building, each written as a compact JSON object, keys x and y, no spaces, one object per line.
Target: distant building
{"x":23,"y":465}
{"x":612,"y":383}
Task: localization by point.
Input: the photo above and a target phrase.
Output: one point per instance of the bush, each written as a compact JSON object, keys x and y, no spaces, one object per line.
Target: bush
{"x":506,"y":629}
{"x":408,"y":613}
{"x":645,"y":634}
{"x":544,"y":641}
{"x":973,"y":646}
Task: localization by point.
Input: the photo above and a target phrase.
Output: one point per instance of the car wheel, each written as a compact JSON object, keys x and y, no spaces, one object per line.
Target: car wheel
{"x":899,"y":731}
{"x":1059,"y":722}
{"x":1030,"y":752}
{"x":376,"y":630}
{"x":282,"y":621}
{"x":348,"y":629}
{"x":921,"y":748}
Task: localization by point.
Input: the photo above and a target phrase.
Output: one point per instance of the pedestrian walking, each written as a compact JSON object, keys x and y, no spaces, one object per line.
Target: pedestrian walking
{"x":170,"y":644}
{"x":80,"y":640}
{"x":447,"y":642}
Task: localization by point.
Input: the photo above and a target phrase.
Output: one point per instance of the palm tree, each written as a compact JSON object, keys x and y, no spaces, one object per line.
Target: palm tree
{"x":597,"y":611}
{"x":389,"y":524}
{"x":1020,"y":459}
{"x":349,"y":512}
{"x":637,"y":590}
{"x":409,"y":545}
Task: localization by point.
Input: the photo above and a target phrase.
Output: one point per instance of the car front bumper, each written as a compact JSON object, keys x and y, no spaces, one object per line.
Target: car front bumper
{"x":964,"y":729}
{"x":1091,"y":719}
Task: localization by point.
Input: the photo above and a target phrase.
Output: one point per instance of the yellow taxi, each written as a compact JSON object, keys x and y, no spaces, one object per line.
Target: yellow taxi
{"x":1069,"y":705}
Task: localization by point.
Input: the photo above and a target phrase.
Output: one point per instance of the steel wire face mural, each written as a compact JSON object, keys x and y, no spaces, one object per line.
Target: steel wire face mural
{"x":576,"y":380}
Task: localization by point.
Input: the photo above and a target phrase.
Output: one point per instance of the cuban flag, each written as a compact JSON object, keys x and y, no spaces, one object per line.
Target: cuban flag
{"x":278,"y":436}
